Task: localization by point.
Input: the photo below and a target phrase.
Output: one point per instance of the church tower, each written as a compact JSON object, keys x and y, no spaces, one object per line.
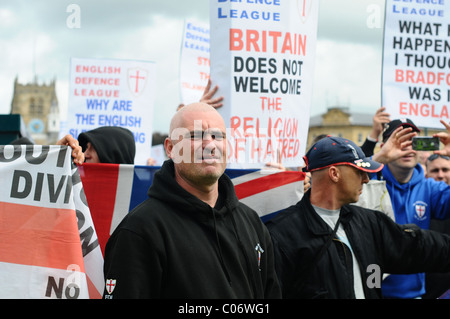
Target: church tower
{"x":38,"y":106}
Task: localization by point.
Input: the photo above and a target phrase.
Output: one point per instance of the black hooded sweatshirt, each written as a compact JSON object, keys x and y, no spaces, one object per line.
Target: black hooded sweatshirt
{"x":174,"y":245}
{"x":113,"y":144}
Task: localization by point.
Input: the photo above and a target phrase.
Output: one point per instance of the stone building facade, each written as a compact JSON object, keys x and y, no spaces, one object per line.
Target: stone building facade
{"x":339,"y":121}
{"x":38,"y":106}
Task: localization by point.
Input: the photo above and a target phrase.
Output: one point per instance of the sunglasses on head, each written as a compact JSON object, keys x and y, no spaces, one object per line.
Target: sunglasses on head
{"x":434,"y":156}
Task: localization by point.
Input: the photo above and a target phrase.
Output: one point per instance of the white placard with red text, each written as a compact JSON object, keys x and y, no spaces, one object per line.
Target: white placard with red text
{"x":416,"y":61}
{"x":262,"y":58}
{"x":106,"y":92}
{"x":194,"y":61}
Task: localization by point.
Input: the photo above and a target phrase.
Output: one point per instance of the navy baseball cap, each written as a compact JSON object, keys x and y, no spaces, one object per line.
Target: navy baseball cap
{"x":394,"y":124}
{"x":338,"y":151}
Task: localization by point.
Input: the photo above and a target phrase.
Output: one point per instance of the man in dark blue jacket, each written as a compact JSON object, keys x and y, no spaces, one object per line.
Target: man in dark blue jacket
{"x":326,"y":248}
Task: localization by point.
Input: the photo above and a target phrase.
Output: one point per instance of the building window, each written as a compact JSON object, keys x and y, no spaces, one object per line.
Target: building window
{"x":360,"y":138}
{"x":40,"y":107}
{"x":32,"y":106}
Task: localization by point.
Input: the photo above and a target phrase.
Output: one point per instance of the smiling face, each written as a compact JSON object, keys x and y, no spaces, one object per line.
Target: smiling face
{"x":197,"y":144}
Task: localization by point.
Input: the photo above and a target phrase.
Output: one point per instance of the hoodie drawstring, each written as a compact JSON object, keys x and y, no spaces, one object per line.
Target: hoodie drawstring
{"x":222,"y":263}
{"x":247,"y":260}
{"x":242,"y":248}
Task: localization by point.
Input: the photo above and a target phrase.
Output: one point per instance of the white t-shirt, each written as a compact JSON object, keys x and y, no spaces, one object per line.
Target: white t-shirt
{"x":331,"y":217}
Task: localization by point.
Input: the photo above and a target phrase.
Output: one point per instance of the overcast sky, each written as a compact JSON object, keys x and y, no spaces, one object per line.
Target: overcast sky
{"x":35,"y":39}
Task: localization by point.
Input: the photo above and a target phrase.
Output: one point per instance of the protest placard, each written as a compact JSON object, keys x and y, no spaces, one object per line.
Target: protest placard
{"x":416,"y":61}
{"x":48,"y":243}
{"x":112,"y":93}
{"x":262,"y":58}
{"x":194,"y":61}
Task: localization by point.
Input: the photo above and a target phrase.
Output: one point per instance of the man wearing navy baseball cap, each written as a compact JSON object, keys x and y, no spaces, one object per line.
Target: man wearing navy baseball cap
{"x":338,"y":151}
{"x":325,"y":248}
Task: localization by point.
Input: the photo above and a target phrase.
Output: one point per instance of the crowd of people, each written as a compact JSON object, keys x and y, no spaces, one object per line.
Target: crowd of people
{"x":193,"y":238}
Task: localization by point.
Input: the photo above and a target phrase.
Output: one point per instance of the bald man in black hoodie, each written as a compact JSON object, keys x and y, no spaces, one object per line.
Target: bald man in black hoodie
{"x":191,"y":238}
{"x":108,"y":144}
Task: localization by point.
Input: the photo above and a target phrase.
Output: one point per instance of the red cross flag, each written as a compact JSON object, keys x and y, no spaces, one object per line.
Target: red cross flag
{"x":48,"y":243}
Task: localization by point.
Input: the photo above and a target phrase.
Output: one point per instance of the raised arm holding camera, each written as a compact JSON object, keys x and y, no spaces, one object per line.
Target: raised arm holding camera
{"x":415,"y":198}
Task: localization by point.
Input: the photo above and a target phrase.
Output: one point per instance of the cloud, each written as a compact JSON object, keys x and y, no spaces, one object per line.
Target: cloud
{"x":43,"y":42}
{"x":34,"y":35}
{"x":164,"y":51}
{"x":356,"y":21}
{"x":348,"y":55}
{"x":346,"y":74}
{"x":7,"y":18}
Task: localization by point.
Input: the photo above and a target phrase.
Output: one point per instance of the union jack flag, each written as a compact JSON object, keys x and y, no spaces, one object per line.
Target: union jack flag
{"x":112,"y":190}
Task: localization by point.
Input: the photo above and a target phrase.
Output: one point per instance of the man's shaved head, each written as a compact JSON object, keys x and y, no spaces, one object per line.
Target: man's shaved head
{"x":179,"y":117}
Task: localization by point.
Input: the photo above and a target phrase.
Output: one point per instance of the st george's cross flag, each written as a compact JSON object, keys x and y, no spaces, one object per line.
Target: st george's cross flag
{"x":112,"y":190}
{"x":48,"y":244}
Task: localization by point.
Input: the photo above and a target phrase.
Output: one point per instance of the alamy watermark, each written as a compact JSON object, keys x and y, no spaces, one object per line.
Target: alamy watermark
{"x":374,"y":18}
{"x":374,"y":279}
{"x":68,"y":287}
{"x":210,"y":145}
{"x":73,"y":20}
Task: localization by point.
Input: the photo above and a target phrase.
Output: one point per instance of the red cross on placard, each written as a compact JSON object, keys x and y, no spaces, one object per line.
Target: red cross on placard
{"x":137,"y":77}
